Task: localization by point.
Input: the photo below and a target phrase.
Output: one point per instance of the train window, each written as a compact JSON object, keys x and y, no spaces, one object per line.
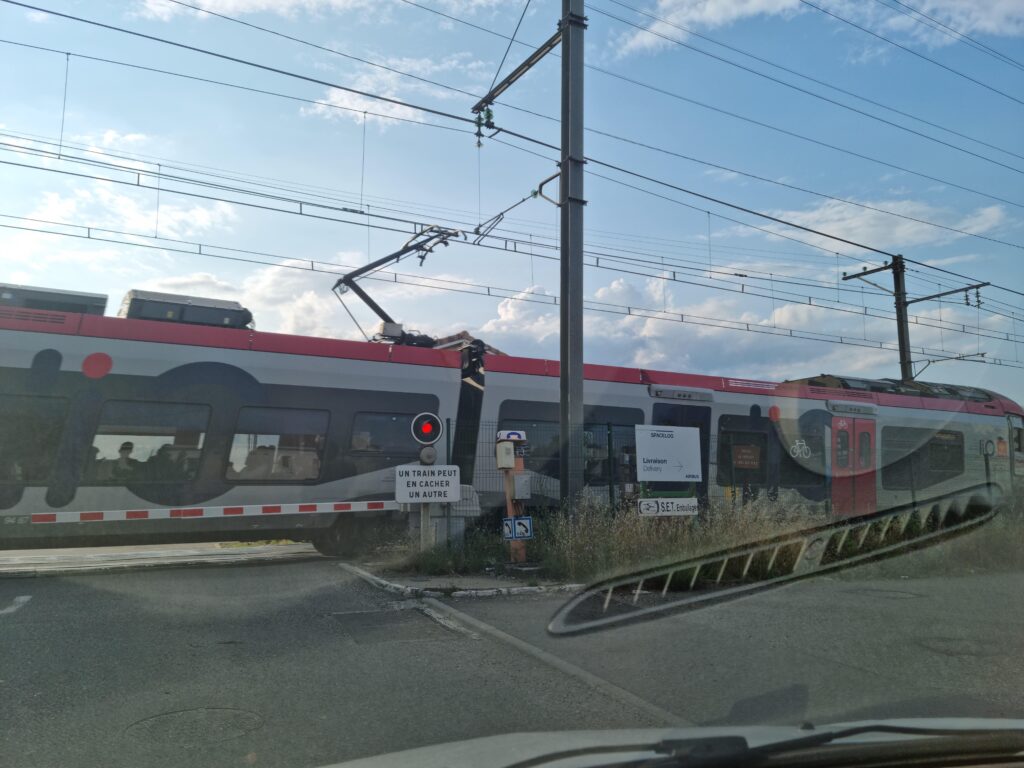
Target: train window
{"x":864,"y":450}
{"x":30,"y":431}
{"x":842,"y":449}
{"x":277,"y":445}
{"x":742,"y":458}
{"x":946,"y":453}
{"x":918,"y":458}
{"x":384,"y":433}
{"x":146,"y":442}
{"x":801,"y":459}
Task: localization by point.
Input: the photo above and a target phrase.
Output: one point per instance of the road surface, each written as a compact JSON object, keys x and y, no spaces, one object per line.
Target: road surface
{"x":302,"y":664}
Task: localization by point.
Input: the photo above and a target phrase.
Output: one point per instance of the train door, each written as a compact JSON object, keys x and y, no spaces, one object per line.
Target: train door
{"x":1017,"y":450}
{"x":853,"y":466}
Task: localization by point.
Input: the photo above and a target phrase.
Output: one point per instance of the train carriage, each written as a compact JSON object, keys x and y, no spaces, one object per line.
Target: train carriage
{"x":118,"y":429}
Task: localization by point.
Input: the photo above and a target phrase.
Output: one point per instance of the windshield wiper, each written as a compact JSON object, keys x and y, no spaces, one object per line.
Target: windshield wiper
{"x":734,"y":752}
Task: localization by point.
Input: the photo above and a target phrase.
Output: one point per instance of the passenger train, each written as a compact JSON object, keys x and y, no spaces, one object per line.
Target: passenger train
{"x":118,"y":429}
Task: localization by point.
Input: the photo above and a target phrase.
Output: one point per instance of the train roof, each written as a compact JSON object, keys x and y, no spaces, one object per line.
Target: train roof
{"x":884,"y":392}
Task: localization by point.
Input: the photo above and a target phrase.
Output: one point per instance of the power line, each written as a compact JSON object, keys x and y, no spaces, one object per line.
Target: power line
{"x":799,"y":89}
{"x":737,"y":288}
{"x":245,"y":62}
{"x":597,"y":255}
{"x":511,"y":40}
{"x":595,"y":131}
{"x":703,"y":105}
{"x":164,"y":162}
{"x":962,"y":36}
{"x":810,"y":78}
{"x":444,"y":284}
{"x":797,"y":188}
{"x":412,"y":106}
{"x":931,"y":23}
{"x":965,"y":277}
{"x":912,"y":52}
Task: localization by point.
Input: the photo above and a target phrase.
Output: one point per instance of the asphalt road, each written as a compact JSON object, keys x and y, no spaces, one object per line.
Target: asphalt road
{"x":302,"y":664}
{"x":291,"y":664}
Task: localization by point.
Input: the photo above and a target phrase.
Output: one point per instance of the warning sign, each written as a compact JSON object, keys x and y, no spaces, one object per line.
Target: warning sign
{"x":746,"y":456}
{"x":415,"y":483}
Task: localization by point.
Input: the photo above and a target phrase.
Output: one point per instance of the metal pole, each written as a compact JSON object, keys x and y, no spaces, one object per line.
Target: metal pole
{"x":571,"y":203}
{"x":902,"y":325}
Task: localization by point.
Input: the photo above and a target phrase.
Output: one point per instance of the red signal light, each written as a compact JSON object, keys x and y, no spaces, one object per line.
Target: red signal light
{"x":426,"y":429}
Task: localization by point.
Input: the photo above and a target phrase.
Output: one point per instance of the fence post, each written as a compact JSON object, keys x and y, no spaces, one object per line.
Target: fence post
{"x":448,"y":504}
{"x":611,"y":468}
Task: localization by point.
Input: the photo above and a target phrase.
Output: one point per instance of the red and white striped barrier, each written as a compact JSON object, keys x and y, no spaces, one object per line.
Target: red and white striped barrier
{"x":249,"y":510}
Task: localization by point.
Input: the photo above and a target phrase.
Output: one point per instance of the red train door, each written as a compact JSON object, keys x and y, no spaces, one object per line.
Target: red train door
{"x":853,"y":466}
{"x":864,"y":484}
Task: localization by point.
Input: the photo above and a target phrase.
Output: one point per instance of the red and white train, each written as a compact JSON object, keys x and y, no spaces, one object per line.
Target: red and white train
{"x":118,"y":429}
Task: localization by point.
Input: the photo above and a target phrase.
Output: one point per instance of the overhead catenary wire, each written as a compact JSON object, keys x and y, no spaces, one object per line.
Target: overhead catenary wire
{"x":651,"y":242}
{"x":963,"y":36}
{"x":805,"y":91}
{"x":831,"y":86}
{"x":617,"y":266}
{"x":447,"y":114}
{"x":753,"y":121}
{"x":595,"y":131}
{"x":412,"y":106}
{"x":135,"y":172}
{"x":912,"y":52}
{"x":444,"y":284}
{"x":934,"y":24}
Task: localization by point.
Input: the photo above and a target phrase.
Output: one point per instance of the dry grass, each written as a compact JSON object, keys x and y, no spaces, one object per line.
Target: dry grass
{"x":598,"y":541}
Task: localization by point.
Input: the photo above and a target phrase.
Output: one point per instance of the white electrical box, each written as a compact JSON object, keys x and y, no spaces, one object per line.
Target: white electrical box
{"x":505,"y":453}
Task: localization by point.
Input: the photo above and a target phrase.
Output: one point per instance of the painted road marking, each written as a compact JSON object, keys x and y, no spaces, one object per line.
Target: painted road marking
{"x":19,"y":601}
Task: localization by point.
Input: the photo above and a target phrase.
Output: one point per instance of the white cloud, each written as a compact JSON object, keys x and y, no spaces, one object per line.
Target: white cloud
{"x":164,"y":11}
{"x":994,"y":17}
{"x":393,"y":85}
{"x":100,"y":207}
{"x":881,"y":230}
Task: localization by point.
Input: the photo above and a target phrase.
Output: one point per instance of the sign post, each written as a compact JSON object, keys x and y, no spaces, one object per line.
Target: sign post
{"x":508,"y":450}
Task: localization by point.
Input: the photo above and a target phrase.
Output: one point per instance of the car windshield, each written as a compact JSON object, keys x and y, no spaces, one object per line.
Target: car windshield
{"x":379,"y":375}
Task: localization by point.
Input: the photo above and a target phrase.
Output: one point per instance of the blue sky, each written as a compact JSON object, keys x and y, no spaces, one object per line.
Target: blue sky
{"x":310,"y":143}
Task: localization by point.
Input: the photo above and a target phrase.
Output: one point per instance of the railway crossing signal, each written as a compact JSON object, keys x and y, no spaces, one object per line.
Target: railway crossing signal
{"x":426,"y":429}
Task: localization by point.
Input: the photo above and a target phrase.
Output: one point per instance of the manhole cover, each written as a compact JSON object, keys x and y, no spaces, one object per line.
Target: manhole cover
{"x":190,"y":727}
{"x":408,"y":626}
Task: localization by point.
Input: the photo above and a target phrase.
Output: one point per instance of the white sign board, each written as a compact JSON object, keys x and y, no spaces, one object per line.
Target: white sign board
{"x":666,"y":507}
{"x":415,"y":483}
{"x":515,"y":435}
{"x":667,"y":454}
